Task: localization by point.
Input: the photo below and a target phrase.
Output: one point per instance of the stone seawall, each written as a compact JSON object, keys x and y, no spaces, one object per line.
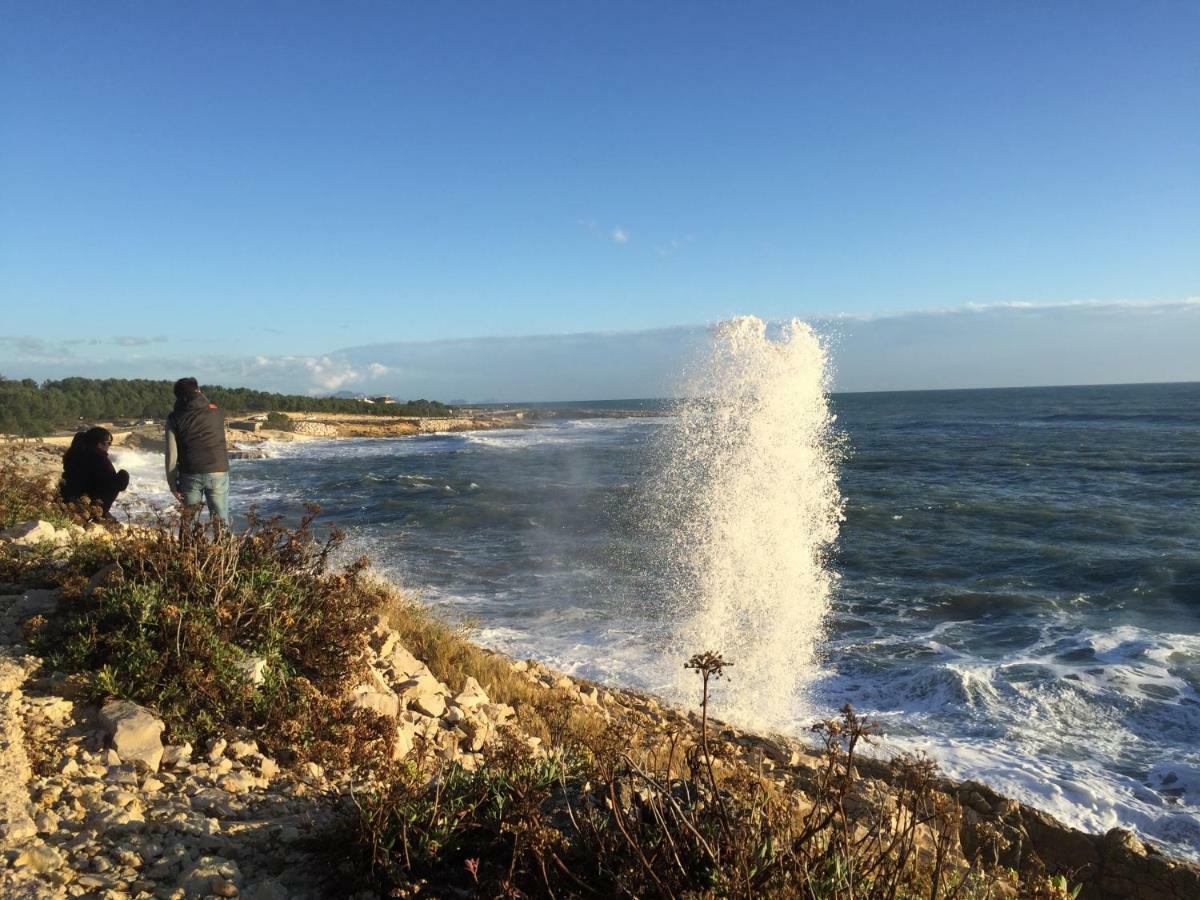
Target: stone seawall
{"x":459,"y":423}
{"x":316,"y":429}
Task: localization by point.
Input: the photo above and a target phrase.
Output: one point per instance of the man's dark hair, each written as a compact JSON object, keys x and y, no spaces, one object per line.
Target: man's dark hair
{"x":186,"y":388}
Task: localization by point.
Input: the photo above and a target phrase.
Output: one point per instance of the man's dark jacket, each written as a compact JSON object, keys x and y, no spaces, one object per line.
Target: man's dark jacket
{"x":199,"y":431}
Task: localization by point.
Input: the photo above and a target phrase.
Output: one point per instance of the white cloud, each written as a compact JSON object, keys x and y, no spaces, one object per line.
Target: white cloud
{"x":971,"y":345}
{"x":320,"y":374}
{"x":617,"y":235}
{"x":27,"y":347}
{"x":1003,"y":344}
{"x":138,"y":340}
{"x":674,"y":244}
{"x":1098,"y":306}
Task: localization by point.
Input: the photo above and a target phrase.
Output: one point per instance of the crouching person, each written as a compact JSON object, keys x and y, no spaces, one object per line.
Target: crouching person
{"x":88,"y":473}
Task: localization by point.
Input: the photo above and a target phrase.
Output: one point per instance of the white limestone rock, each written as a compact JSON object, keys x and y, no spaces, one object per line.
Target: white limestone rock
{"x":472,"y":695}
{"x":425,"y":694}
{"x":208,"y":874}
{"x":135,"y":733}
{"x":387,"y":705}
{"x":177,"y":755}
{"x":29,"y":534}
{"x":404,"y":663}
{"x":253,"y":669}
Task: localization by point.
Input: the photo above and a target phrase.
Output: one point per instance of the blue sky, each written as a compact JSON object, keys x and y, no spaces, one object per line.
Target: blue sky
{"x":248,"y":189}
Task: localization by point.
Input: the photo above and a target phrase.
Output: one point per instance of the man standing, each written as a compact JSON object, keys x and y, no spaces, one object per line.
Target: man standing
{"x":197,"y":461}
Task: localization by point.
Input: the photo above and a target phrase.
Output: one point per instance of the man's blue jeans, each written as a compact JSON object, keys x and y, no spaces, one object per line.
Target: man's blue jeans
{"x":212,"y":487}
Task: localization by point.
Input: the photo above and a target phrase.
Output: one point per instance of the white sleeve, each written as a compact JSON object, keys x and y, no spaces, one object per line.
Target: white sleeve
{"x":172,"y":461}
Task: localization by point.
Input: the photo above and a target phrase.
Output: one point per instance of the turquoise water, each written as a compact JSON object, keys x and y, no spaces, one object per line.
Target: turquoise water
{"x":1019,"y":590}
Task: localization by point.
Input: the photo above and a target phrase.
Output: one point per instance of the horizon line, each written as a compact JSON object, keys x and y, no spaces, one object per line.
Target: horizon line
{"x":1010,"y":387}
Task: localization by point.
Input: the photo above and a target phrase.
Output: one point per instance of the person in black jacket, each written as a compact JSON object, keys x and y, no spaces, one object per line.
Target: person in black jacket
{"x":88,"y":473}
{"x":197,"y":459}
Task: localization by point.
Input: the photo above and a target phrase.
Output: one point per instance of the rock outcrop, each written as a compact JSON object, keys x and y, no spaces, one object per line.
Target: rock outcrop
{"x":430,"y":719}
{"x":40,"y":532}
{"x":85,"y":813}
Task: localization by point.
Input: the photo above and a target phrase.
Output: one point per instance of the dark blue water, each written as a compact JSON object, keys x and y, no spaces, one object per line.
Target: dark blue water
{"x":1019,"y":587}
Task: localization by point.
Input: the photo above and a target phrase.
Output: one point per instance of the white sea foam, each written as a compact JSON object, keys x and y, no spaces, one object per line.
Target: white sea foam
{"x":1092,"y":741}
{"x":752,"y":504}
{"x":147,"y":490}
{"x":559,"y":433}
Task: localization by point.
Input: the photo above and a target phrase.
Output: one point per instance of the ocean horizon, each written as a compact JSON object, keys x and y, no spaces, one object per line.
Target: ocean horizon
{"x":637,"y":403}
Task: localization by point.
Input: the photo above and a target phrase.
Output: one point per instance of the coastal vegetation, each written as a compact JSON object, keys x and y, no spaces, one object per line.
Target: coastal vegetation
{"x":28,"y":408}
{"x":277,"y":421}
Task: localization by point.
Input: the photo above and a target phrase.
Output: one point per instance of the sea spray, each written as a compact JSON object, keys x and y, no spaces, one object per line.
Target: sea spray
{"x":752,"y":502}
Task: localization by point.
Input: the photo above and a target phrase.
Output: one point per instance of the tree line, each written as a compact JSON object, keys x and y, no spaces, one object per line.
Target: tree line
{"x":30,"y":409}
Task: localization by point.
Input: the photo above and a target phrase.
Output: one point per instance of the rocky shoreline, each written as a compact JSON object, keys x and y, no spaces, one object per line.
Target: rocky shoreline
{"x":95,"y":804}
{"x":98,"y":802}
{"x":243,"y":433}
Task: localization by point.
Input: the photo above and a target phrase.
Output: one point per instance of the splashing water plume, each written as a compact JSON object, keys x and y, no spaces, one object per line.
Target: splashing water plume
{"x":753,"y":500}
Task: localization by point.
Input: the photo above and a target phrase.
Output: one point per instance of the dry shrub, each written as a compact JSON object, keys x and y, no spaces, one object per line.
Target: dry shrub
{"x":624,"y":814}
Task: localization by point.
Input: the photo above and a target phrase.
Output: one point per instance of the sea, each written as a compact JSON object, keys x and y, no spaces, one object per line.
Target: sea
{"x":1014,"y":586}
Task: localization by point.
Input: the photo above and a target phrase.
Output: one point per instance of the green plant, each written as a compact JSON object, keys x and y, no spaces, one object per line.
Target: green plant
{"x":277,"y":421}
{"x":479,"y":822}
{"x":191,"y":608}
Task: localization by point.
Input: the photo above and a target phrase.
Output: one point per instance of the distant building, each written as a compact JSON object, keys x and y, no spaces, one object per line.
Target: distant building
{"x":386,"y":400}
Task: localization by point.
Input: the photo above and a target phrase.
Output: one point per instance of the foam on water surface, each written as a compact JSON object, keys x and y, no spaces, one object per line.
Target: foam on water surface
{"x":147,"y":481}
